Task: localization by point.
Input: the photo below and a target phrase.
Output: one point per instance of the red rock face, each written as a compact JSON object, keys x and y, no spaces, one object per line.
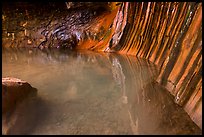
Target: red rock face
{"x":169,"y":34}
{"x":13,"y":91}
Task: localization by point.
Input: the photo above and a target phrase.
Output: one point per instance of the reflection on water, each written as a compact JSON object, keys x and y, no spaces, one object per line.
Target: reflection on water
{"x":95,"y":93}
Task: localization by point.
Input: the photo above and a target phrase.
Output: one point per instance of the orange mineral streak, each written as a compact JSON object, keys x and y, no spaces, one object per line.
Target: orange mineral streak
{"x":154,"y":33}
{"x":145,"y":25}
{"x":130,"y":38}
{"x":178,"y":86}
{"x":168,"y":37}
{"x":119,"y":24}
{"x":147,"y":33}
{"x":130,"y":21}
{"x":164,"y":35}
{"x":173,"y":36}
{"x":155,"y":38}
{"x":194,"y":98}
{"x":175,"y":32}
{"x":194,"y":105}
{"x":104,"y":21}
{"x":187,"y":44}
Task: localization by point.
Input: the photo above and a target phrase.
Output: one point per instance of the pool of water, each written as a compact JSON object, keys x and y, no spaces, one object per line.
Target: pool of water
{"x":84,"y":92}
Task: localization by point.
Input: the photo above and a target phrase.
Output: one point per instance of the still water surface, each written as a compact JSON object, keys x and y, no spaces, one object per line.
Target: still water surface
{"x":93,"y":93}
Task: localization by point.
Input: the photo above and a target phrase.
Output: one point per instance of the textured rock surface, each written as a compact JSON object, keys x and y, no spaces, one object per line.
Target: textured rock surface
{"x":41,"y":27}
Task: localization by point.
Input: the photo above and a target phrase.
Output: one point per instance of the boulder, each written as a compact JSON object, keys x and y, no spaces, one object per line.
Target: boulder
{"x":18,"y":106}
{"x":14,"y":91}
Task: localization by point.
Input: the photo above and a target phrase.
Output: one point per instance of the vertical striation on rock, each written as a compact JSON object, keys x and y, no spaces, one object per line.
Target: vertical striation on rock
{"x":170,"y":35}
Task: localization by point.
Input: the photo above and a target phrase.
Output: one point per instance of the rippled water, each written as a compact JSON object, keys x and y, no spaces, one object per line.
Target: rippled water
{"x":93,"y":93}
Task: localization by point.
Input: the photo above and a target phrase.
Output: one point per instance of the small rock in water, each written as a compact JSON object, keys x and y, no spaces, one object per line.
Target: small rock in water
{"x":58,"y":124}
{"x":30,"y":51}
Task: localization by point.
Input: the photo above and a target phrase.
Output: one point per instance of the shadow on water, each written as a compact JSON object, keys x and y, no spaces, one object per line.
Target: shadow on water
{"x":26,"y":116}
{"x":84,"y":92}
